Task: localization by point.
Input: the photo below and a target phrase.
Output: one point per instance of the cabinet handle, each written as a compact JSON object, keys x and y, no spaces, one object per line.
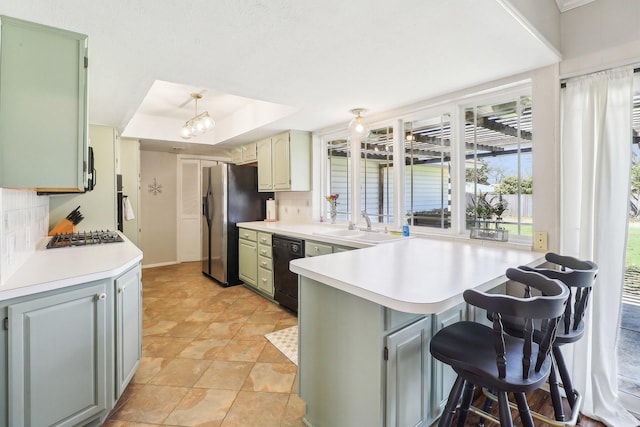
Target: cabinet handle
{"x":317,"y":249}
{"x":102,"y":297}
{"x":121,"y":290}
{"x":264,"y":280}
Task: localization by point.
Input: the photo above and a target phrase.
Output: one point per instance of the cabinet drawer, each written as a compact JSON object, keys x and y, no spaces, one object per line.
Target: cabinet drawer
{"x":264,"y":251}
{"x":248,"y":234}
{"x":312,"y":248}
{"x":264,"y":262}
{"x":265,"y":281}
{"x":264,"y":239}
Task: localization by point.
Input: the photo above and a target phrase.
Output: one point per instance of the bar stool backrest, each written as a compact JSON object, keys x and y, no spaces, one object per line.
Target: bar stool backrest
{"x":548,"y":308}
{"x":579,"y":277}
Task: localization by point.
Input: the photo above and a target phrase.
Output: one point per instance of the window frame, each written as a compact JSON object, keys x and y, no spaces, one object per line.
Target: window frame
{"x":455,"y":107}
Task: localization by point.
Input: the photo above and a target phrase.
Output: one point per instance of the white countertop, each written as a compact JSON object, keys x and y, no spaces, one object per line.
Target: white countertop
{"x":49,"y":269}
{"x":416,"y":275}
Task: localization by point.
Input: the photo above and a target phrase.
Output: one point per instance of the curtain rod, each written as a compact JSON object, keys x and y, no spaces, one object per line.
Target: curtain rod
{"x":563,"y":84}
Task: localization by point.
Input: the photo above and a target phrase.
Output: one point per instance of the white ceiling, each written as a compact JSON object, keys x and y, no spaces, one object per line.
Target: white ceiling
{"x":264,"y":66}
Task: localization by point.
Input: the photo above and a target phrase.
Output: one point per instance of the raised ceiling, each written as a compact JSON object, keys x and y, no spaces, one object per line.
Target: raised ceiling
{"x":269,"y":65}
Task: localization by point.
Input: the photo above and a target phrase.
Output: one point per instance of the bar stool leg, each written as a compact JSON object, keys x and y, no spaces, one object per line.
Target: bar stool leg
{"x":488,"y":404}
{"x":523,"y":409}
{"x":567,"y":384}
{"x":452,"y":403}
{"x":467,"y":396}
{"x":504,"y":410}
{"x":554,"y":389}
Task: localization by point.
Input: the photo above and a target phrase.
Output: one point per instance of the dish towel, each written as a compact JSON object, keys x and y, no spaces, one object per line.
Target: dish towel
{"x":127,"y":209}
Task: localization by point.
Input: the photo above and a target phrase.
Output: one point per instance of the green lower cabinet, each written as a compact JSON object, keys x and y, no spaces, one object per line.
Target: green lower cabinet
{"x":248,"y":258}
{"x":128,"y":327}
{"x":443,"y":376}
{"x":408,"y":375}
{"x":67,"y":355}
{"x":57,"y":357}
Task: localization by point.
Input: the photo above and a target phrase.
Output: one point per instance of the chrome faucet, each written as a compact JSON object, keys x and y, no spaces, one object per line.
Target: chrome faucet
{"x":366,"y":218}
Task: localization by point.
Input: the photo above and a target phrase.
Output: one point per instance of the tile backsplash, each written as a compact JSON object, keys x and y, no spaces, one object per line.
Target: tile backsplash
{"x":294,"y":206}
{"x":25,"y":221}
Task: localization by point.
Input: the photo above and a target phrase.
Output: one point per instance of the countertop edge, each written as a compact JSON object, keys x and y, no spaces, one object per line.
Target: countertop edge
{"x":29,"y":278}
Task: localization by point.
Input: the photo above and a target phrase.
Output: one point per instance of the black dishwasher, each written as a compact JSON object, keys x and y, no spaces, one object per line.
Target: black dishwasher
{"x":285,"y":283}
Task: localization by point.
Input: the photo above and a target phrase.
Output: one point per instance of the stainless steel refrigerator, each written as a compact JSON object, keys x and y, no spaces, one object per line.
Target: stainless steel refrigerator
{"x":230,"y":195}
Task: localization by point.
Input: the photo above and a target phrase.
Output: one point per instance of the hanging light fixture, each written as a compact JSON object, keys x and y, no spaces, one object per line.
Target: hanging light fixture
{"x":356,"y":123}
{"x":198,"y":124}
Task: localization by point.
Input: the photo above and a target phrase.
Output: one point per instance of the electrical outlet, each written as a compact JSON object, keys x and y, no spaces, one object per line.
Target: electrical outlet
{"x":540,"y":241}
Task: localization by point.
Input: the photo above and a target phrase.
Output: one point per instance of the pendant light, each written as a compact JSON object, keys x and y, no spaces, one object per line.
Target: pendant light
{"x":198,"y":124}
{"x":357,"y":122}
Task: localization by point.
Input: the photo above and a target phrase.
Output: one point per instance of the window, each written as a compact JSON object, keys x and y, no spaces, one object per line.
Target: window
{"x":339,"y":176}
{"x":498,"y":170}
{"x":427,"y":172}
{"x":376,"y":175}
{"x":449,"y":158}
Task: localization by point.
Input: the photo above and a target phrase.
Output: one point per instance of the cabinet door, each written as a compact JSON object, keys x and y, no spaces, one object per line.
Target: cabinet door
{"x":57,"y":354}
{"x":248,"y":262}
{"x":249,"y":152}
{"x":128,"y":288}
{"x":265,"y":176}
{"x":408,"y":375}
{"x":443,"y":375}
{"x":281,"y":162}
{"x":42,"y":72}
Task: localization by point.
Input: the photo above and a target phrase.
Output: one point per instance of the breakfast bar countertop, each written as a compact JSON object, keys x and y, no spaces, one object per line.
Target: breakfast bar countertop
{"x":50,"y":269}
{"x":416,"y":275}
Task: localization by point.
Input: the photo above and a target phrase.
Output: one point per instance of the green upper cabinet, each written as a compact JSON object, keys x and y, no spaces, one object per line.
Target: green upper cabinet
{"x":284,"y":162}
{"x":43,"y":107}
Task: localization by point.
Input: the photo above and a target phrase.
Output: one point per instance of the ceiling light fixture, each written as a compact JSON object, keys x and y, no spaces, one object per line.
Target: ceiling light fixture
{"x":198,"y":124}
{"x":356,"y":122}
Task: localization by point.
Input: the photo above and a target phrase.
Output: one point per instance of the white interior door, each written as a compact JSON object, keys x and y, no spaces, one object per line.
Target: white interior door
{"x":189,"y":235}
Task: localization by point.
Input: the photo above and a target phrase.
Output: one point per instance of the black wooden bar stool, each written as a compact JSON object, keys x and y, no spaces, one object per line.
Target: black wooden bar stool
{"x":578,"y":276}
{"x":488,"y":357}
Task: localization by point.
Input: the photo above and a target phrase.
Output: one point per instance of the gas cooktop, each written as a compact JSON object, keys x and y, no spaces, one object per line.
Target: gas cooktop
{"x":84,"y":238}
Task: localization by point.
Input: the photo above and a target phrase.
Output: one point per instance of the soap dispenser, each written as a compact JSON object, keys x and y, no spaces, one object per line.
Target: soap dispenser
{"x":405,"y":228}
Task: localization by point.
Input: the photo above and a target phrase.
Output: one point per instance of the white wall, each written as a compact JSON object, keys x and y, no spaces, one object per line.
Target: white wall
{"x":98,"y":206}
{"x":600,"y":35}
{"x":158,"y":212}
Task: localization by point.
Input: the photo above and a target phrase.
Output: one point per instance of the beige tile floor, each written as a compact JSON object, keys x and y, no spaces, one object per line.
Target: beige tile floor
{"x":205,"y":361}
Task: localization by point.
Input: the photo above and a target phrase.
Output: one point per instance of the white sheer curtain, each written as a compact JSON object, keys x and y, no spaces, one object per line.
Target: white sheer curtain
{"x":595,"y":173}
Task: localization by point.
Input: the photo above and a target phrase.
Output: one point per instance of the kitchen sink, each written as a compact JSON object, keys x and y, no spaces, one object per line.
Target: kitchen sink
{"x":360,"y":236}
{"x":340,"y":233}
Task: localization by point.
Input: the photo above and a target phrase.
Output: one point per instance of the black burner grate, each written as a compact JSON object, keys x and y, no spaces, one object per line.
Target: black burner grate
{"x":84,"y":239}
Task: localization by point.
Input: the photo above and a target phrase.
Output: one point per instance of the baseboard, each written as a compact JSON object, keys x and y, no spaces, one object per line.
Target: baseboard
{"x":161,"y":264}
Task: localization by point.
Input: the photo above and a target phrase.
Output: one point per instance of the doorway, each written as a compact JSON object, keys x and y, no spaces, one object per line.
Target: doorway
{"x":629,"y":337}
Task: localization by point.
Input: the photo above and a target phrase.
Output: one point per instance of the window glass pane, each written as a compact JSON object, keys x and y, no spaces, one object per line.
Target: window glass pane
{"x":498,"y":144}
{"x":427,"y":183}
{"x":339,"y":176}
{"x":376,"y":176}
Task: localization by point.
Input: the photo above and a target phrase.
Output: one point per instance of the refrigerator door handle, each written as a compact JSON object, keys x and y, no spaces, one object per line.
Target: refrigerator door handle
{"x":205,"y":209}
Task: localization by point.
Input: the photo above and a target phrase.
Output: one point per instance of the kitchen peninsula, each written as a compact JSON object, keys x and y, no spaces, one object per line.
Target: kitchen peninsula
{"x":366,"y":318}
{"x":72,"y":333}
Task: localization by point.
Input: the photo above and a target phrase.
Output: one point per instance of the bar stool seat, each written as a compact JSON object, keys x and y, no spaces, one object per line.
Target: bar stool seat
{"x":489,"y":357}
